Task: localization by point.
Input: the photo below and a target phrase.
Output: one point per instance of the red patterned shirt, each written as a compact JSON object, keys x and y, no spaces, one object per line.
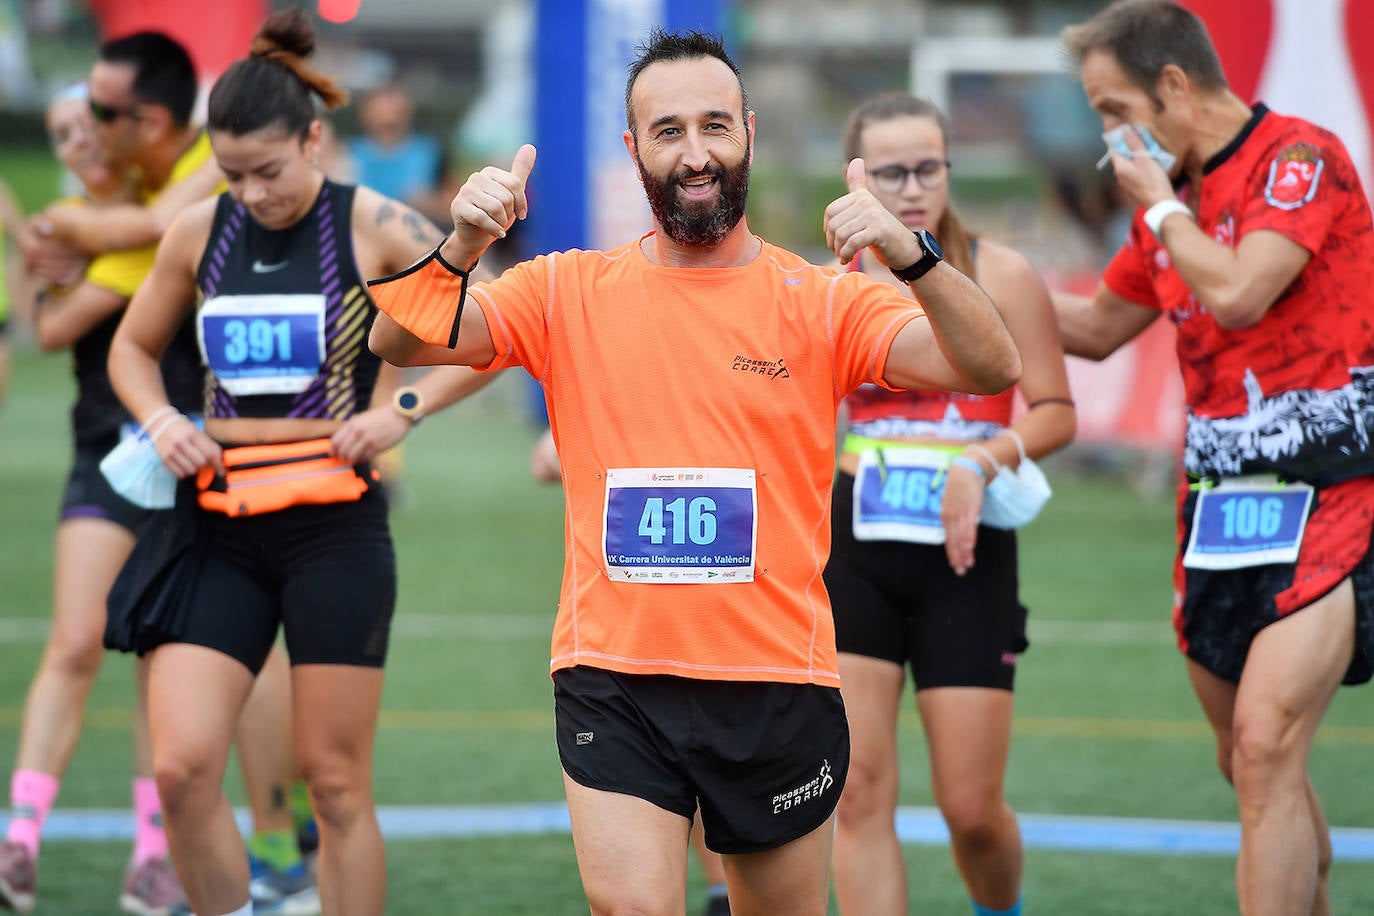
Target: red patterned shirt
{"x":1293,"y":393}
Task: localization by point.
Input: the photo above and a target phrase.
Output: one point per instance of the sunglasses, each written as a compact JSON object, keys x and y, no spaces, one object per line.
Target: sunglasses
{"x":105,"y":114}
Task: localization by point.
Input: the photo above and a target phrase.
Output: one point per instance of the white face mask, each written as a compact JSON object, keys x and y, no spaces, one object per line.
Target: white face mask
{"x":1116,"y":143}
{"x":135,"y":471}
{"x":1015,"y":497}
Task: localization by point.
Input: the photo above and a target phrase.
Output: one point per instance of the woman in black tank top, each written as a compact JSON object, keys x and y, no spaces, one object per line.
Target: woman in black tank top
{"x":946,"y":605}
{"x":284,"y":526}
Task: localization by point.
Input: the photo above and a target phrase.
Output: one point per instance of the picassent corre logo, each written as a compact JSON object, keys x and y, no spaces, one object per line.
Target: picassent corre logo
{"x":768,"y":368}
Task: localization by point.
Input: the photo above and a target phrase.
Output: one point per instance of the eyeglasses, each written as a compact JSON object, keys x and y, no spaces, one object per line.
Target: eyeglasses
{"x":105,"y":114}
{"x":930,"y":174}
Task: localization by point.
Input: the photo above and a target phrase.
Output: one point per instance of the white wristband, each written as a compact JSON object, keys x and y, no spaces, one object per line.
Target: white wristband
{"x":1155,"y":216}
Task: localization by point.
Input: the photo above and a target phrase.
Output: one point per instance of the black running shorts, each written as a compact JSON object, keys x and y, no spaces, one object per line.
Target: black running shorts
{"x":764,"y":762}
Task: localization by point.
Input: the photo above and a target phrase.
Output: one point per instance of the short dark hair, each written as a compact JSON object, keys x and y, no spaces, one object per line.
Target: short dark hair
{"x":163,"y":72}
{"x":1145,"y":36}
{"x":662,"y":46}
{"x":273,"y":85}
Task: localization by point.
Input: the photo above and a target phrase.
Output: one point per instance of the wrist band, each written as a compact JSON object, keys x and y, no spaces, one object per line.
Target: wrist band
{"x":166,"y":425}
{"x":968,"y":463}
{"x":992,"y":459}
{"x":1155,"y":216}
{"x":153,"y":417}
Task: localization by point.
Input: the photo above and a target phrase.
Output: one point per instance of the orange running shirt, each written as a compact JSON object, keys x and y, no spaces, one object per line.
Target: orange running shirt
{"x":694,"y":411}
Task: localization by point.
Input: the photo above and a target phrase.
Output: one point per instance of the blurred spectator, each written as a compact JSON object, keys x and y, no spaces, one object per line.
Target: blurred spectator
{"x":16,"y":79}
{"x":391,"y":158}
{"x":13,"y":279}
{"x":334,"y":160}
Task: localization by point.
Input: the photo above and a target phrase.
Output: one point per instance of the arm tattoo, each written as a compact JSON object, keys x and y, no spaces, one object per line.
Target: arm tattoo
{"x":421,"y":229}
{"x":385,"y":212}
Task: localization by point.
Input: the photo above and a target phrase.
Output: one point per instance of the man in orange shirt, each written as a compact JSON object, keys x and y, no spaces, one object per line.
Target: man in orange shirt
{"x":692,"y":379}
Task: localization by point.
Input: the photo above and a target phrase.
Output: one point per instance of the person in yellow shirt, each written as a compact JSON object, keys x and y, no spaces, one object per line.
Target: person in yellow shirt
{"x":96,"y":532}
{"x":142,"y":93}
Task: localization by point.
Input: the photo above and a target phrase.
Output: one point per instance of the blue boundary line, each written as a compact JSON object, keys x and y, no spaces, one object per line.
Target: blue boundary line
{"x":920,"y":826}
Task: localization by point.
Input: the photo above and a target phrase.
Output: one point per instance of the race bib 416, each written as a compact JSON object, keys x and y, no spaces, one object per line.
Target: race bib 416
{"x":675,"y":526}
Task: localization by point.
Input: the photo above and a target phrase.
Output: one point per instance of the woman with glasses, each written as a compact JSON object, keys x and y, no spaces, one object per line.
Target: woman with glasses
{"x":95,"y":535}
{"x":914,"y":577}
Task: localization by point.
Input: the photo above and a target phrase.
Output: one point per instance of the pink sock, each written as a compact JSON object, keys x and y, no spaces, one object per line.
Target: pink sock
{"x":31,"y":796}
{"x":150,"y":840}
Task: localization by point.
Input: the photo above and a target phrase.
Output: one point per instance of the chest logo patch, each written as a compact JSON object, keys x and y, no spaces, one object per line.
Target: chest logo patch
{"x":1293,"y":176}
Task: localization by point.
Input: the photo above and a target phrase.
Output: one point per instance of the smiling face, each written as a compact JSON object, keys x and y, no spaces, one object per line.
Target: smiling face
{"x":915,"y":146}
{"x":72,"y":132}
{"x":271,"y":172}
{"x":693,"y":147}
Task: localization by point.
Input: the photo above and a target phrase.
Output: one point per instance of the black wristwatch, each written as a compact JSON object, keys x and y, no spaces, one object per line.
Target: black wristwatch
{"x":410,"y":404}
{"x":930,"y":256}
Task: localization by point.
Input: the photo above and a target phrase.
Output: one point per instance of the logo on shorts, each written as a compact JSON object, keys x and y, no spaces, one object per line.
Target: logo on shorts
{"x":23,"y":813}
{"x":584,"y":738}
{"x":805,"y":792}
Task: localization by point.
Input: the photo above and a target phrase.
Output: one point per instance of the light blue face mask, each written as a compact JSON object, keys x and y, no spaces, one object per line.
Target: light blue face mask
{"x":1015,"y":496}
{"x":135,"y":471}
{"x":1116,"y":143}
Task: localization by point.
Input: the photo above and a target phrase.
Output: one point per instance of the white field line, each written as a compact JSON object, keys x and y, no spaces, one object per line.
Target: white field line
{"x":514,"y":626}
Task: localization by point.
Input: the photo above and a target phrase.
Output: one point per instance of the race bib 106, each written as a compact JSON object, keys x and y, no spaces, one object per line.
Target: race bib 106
{"x":263,"y":344}
{"x":675,"y":526}
{"x":1248,"y":521}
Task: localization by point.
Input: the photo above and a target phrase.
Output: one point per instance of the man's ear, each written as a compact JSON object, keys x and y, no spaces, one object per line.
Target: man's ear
{"x":631,"y":145}
{"x":155,"y":122}
{"x":1173,"y":83}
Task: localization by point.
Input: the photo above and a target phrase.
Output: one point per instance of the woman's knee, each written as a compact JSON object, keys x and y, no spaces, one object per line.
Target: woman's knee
{"x":870,"y":791}
{"x":75,"y":650}
{"x":186,"y":781}
{"x":973,"y":818}
{"x":340,"y":791}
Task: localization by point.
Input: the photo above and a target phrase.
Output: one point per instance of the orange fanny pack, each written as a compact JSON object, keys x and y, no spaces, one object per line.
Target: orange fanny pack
{"x":267,"y":478}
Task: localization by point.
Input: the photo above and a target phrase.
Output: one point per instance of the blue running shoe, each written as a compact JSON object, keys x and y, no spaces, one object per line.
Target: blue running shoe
{"x":289,"y":892}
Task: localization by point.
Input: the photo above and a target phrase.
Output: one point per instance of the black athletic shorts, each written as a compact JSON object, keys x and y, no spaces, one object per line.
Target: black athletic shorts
{"x":1218,"y":613}
{"x":902,"y":602}
{"x":764,"y":762}
{"x":89,"y":495}
{"x":325,"y":573}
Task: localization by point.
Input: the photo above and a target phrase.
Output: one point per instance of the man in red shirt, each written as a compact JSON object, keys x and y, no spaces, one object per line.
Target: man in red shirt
{"x":693,"y":378}
{"x":1253,"y":236}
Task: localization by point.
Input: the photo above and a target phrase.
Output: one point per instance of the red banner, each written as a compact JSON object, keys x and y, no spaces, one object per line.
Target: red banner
{"x":215,"y":33}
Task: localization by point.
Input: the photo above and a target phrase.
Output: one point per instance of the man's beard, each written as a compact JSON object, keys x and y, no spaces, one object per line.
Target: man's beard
{"x":698,"y":224}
